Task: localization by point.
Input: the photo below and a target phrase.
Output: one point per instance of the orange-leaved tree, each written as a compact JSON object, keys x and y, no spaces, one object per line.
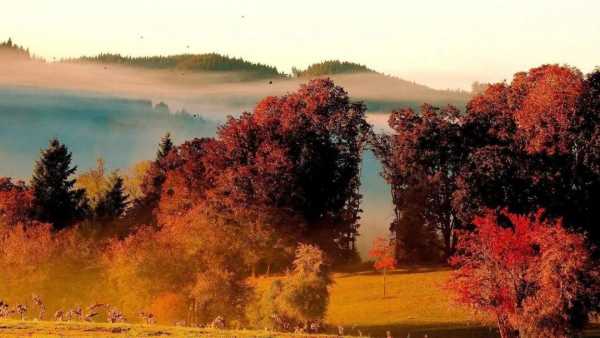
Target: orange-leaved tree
{"x":384,"y":253}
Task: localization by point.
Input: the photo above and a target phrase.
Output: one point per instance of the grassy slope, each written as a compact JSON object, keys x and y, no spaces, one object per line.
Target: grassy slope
{"x":415,"y":304}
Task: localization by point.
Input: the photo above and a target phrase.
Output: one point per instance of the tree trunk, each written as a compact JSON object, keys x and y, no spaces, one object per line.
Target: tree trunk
{"x":384,"y":273}
{"x":506,"y":331}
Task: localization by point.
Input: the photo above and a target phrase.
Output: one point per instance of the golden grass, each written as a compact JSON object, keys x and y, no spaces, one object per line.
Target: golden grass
{"x":44,"y":329}
{"x":416,"y":304}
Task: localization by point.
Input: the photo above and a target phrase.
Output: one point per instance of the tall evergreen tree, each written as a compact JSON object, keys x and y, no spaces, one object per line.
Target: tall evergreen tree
{"x":114,"y":202}
{"x":56,"y":201}
{"x":165,"y":146}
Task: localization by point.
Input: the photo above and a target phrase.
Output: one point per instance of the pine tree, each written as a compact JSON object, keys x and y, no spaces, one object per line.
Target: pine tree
{"x":165,"y":146}
{"x":114,"y":202}
{"x":56,"y":201}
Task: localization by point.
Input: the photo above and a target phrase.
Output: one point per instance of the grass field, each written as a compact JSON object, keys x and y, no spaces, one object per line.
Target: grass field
{"x":43,"y":329}
{"x":415,"y":304}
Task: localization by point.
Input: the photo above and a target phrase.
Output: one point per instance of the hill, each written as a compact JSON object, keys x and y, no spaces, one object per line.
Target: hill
{"x":148,"y":76}
{"x":331,"y":67}
{"x":210,"y":62}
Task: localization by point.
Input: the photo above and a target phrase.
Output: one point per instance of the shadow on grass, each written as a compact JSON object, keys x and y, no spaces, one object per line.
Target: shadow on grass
{"x":439,"y":331}
{"x":401,"y":271}
{"x":419,"y":331}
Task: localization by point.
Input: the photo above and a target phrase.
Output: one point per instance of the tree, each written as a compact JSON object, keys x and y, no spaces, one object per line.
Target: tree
{"x":522,"y":145}
{"x":289,"y":169}
{"x":528,"y":144}
{"x":15,"y":203}
{"x":301,"y":299}
{"x":133,"y":178}
{"x":545,"y":101}
{"x":113,"y":203}
{"x":299,"y":154}
{"x":165,"y":146}
{"x":55,"y":200}
{"x":195,"y":256}
{"x":384,"y":253}
{"x":535,"y":277}
{"x":421,"y":160}
{"x":93,"y":182}
{"x":144,"y":209}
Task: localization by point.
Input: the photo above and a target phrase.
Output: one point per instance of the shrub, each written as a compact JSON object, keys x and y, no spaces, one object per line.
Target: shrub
{"x":301,"y":299}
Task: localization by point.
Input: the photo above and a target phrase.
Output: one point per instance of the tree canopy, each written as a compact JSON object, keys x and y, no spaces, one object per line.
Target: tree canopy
{"x":331,"y":67}
{"x":210,"y":62}
{"x":55,"y":200}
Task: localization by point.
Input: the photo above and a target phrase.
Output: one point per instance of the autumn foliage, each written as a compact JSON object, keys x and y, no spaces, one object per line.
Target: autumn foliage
{"x":521,"y":145}
{"x":180,"y":235}
{"x":536,"y":278}
{"x":15,"y":202}
{"x":294,"y":162}
{"x":384,"y":252}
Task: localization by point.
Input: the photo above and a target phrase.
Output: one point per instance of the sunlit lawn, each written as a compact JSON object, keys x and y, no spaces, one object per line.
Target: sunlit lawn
{"x":416,"y":303}
{"x":15,"y":328}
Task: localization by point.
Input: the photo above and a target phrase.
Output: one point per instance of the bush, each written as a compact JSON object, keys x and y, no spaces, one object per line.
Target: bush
{"x":168,"y":308}
{"x":300,"y":301}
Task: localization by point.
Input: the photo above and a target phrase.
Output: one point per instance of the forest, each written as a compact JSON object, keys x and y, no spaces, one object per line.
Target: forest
{"x":505,"y":191}
{"x":212,"y":62}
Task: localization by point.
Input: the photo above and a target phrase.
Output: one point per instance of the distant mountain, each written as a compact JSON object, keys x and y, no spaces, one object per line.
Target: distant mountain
{"x":331,"y":67}
{"x":210,"y":62}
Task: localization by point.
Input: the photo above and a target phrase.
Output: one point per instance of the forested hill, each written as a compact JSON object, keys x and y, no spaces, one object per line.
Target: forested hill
{"x":210,"y":62}
{"x":331,"y":67}
{"x":9,"y":48}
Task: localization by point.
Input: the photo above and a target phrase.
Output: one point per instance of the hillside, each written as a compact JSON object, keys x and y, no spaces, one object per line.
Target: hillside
{"x":210,"y":62}
{"x":206,"y":79}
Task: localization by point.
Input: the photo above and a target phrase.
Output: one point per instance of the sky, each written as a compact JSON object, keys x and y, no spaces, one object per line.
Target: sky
{"x":443,"y":44}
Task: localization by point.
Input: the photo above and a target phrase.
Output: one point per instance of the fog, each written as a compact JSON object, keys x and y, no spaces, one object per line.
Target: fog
{"x":107,"y":111}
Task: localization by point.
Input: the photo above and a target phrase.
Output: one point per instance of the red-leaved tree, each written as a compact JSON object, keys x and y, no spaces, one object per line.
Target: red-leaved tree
{"x":535,"y":277}
{"x":384,"y":253}
{"x":15,"y":202}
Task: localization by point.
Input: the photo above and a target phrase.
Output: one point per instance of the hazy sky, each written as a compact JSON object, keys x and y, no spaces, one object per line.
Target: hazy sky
{"x":439,"y":43}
